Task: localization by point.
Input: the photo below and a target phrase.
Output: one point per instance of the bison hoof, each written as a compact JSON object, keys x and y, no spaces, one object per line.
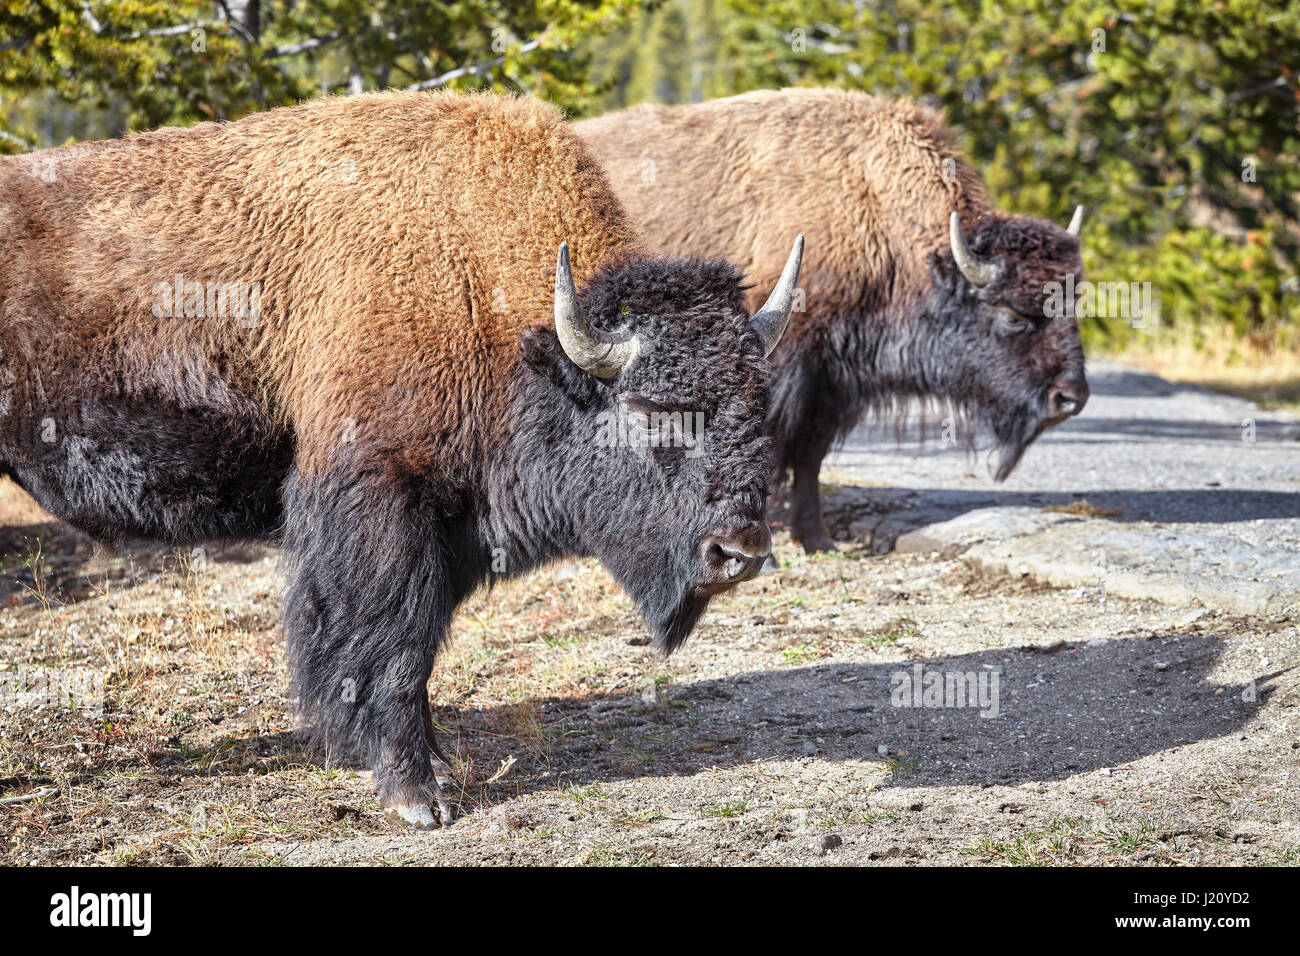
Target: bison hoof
{"x":417,"y":816}
{"x":420,"y":816}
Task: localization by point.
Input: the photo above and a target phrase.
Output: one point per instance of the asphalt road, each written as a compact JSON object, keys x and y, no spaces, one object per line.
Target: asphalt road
{"x":1191,"y":497}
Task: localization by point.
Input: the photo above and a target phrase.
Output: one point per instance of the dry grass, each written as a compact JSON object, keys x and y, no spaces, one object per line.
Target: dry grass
{"x":18,"y":508}
{"x":1259,"y":370}
{"x":1085,"y":508}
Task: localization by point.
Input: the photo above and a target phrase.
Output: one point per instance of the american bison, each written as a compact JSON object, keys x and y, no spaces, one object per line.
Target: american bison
{"x":328,"y":323}
{"x":916,"y":287}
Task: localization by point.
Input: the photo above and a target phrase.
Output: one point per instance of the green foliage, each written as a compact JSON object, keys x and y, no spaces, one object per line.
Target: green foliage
{"x":1153,"y":114}
{"x":145,"y":63}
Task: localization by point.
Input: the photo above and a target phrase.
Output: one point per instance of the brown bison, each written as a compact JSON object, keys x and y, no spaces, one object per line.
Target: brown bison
{"x":916,"y":287}
{"x":328,"y":323}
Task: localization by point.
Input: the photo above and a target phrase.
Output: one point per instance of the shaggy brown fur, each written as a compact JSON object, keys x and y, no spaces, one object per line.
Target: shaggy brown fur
{"x":871,"y":183}
{"x":439,"y":283}
{"x":857,"y":174}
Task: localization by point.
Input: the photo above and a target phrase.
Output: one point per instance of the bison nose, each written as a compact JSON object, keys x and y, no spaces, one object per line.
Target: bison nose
{"x":734,"y":555}
{"x":1066,"y":397}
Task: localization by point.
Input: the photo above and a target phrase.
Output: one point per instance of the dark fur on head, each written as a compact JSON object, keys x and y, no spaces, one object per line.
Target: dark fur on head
{"x":636,"y":507}
{"x":1005,"y":348}
{"x":983,"y":357}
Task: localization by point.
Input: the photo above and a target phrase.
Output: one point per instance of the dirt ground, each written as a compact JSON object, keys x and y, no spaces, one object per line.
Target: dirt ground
{"x":1126,"y":732}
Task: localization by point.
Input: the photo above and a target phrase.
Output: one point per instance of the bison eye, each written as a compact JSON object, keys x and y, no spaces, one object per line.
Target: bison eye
{"x":644,"y":428}
{"x":1009,"y":324}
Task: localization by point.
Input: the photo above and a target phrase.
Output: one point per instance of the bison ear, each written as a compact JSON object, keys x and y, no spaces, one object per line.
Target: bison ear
{"x":544,"y":355}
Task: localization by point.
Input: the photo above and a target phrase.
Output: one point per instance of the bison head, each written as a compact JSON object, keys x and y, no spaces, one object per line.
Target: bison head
{"x":654,"y":388}
{"x":1011,"y":353}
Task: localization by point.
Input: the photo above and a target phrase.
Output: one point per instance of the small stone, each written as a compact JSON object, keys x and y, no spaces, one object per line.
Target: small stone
{"x":882,"y":750}
{"x":831,"y":841}
{"x":1162,"y":665}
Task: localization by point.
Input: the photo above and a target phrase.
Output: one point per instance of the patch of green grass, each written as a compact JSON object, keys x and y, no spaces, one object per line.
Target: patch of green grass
{"x":602,"y":855}
{"x":535,"y":833}
{"x":893,"y":631}
{"x":902,"y":766}
{"x":583,"y":794}
{"x":1059,"y":841}
{"x":1283,"y":856}
{"x":127,"y":856}
{"x":562,"y":640}
{"x":829,"y":557}
{"x":1126,"y":839}
{"x":641,"y":819}
{"x":727,"y":809}
{"x":1050,"y":847}
{"x":797,"y":654}
{"x":861,"y":819}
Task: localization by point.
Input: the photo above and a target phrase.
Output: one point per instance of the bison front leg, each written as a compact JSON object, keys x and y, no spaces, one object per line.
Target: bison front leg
{"x":366,"y":605}
{"x":806,"y":523}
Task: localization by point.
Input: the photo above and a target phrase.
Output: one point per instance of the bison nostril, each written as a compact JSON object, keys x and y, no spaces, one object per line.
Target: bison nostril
{"x":1067,"y":398}
{"x":738,"y":554}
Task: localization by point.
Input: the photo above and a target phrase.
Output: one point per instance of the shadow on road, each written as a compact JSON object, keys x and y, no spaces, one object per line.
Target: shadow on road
{"x":1237,"y":431}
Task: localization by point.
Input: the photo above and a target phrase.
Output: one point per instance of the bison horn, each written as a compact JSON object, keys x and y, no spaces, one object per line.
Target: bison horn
{"x":770,"y":321}
{"x":976,"y":270}
{"x":590,"y":349}
{"x":1076,"y":222}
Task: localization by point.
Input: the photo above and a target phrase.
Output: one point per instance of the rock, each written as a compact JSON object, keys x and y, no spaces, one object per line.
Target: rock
{"x":831,"y":841}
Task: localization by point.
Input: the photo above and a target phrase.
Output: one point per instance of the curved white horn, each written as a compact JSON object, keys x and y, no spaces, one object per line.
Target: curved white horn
{"x":1076,"y":222}
{"x":976,"y":270}
{"x":590,"y":349}
{"x":770,"y":321}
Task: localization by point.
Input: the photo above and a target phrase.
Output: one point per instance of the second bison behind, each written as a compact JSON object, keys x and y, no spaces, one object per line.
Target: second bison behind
{"x":904,"y":301}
